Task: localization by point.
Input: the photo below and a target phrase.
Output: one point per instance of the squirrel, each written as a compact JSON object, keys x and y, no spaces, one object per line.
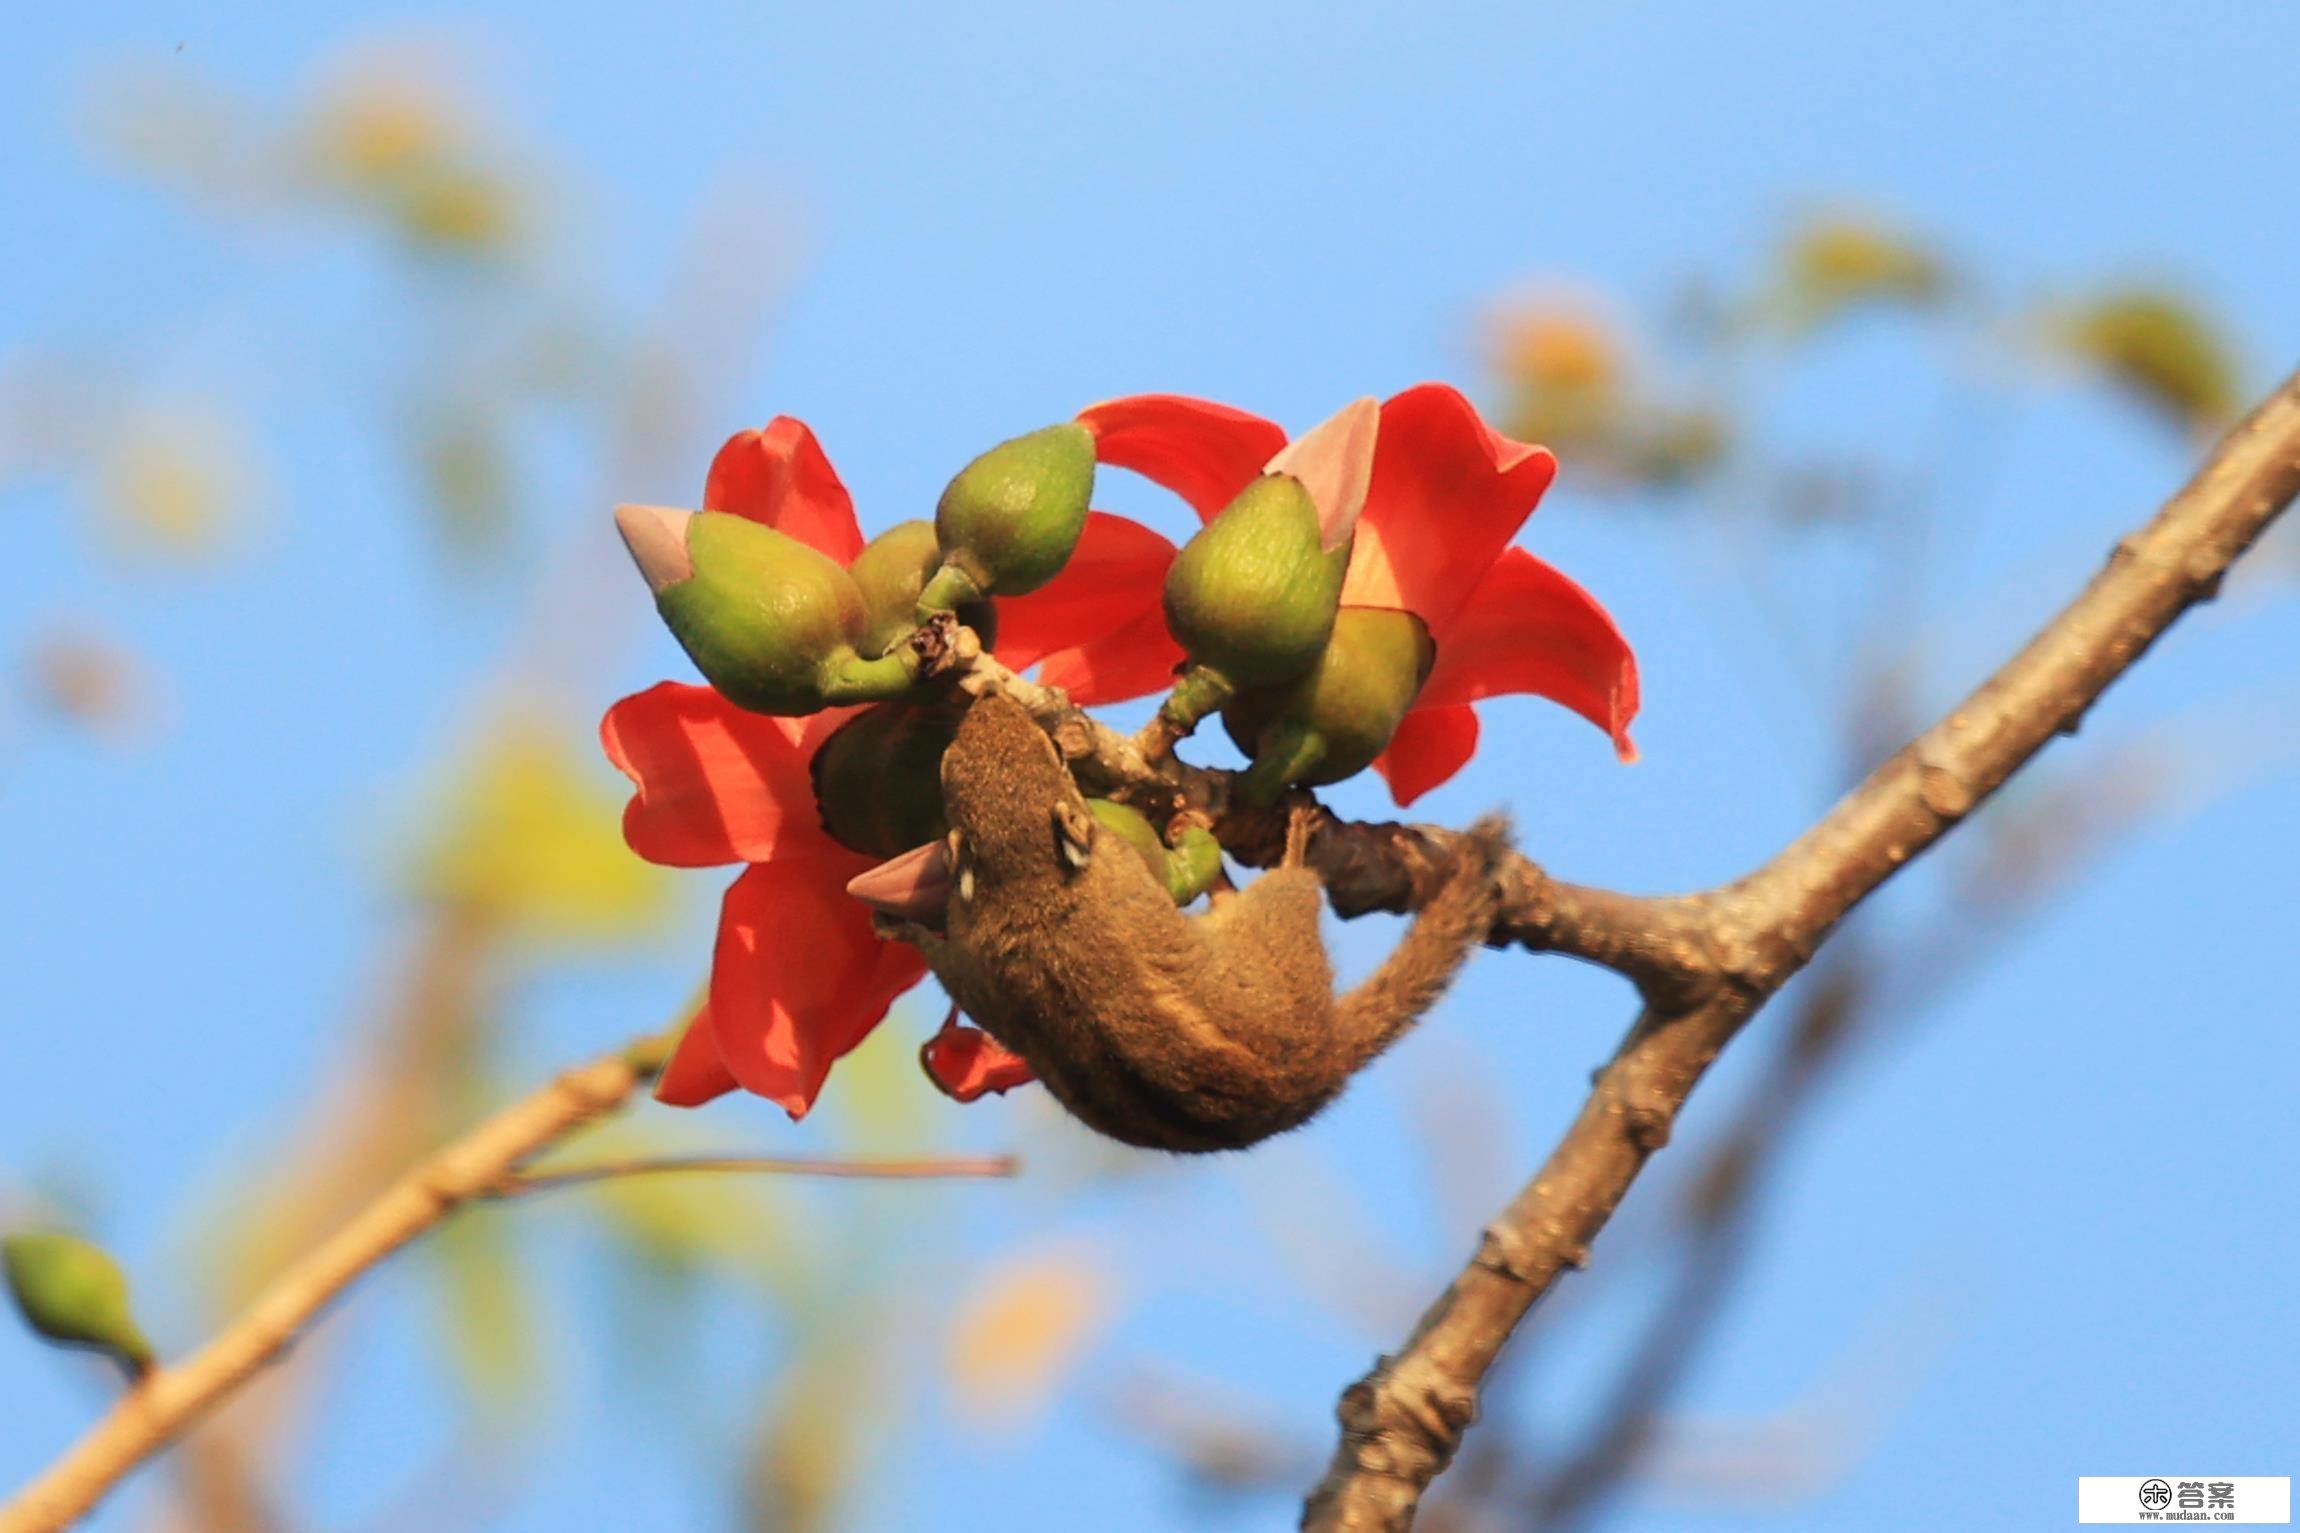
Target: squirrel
{"x":1155,"y":1027}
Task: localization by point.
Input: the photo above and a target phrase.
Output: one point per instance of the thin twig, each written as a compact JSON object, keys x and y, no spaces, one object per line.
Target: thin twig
{"x":1403,"y":1421}
{"x":520,"y":1184}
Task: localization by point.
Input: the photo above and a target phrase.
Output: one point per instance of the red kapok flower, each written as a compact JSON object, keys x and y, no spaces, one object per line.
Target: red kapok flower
{"x":799,"y":976}
{"x":968,"y":1063}
{"x":1448,"y":494}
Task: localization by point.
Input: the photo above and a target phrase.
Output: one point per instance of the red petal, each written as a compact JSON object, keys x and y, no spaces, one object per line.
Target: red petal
{"x":1117,"y":573}
{"x":1526,"y":628}
{"x":1204,"y":452}
{"x":782,"y":477}
{"x":1429,"y":747}
{"x":966,"y":1062}
{"x":716,"y":784}
{"x":695,"y":1073}
{"x":800,"y":978}
{"x":1448,"y":494}
{"x":1134,"y":661}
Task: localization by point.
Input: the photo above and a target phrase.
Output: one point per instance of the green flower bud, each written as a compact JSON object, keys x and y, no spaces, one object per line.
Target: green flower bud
{"x":1253,"y":595}
{"x":878,"y":778}
{"x":1008,"y":522}
{"x":770,"y":622}
{"x":1186,"y":869}
{"x":74,"y":1294}
{"x":890,"y":572}
{"x":1333,"y":722}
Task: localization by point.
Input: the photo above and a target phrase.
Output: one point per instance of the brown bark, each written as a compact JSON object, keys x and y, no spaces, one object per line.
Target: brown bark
{"x":1402,"y":1422}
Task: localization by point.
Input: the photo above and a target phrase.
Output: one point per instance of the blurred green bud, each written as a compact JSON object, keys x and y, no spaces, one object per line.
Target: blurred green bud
{"x":1333,"y":722}
{"x":1008,"y":522}
{"x":878,"y":778}
{"x":1253,"y":595}
{"x":74,"y":1294}
{"x":891,"y":572}
{"x":1186,"y":869}
{"x":770,"y":622}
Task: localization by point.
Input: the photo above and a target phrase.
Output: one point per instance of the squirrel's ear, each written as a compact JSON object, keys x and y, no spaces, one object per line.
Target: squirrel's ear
{"x":1073,"y":835}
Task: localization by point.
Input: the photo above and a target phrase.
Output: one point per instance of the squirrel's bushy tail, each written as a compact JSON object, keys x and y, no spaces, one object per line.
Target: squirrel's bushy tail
{"x":1375,"y":1014}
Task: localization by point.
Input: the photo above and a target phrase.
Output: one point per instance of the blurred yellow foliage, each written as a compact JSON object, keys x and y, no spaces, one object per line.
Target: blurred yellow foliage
{"x":1019,"y":1331}
{"x":396,"y":130}
{"x":815,"y":1431}
{"x":458,"y":209}
{"x":1836,"y":262}
{"x":1555,"y":347}
{"x":2158,"y":345}
{"x":1569,"y":384}
{"x":490,"y":1331}
{"x":1565,"y":373}
{"x":177,"y":480}
{"x":384,"y":119}
{"x":528,"y":836}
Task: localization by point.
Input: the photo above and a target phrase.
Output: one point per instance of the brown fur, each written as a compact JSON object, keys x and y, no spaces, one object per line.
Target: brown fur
{"x":1161,"y":1029}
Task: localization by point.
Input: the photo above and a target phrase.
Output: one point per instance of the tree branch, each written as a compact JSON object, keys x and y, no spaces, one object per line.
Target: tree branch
{"x":170,"y":1399}
{"x":1402,"y":1422}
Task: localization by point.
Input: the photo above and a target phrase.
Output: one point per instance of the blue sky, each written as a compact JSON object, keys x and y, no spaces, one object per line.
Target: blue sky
{"x":2079,"y":1168}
